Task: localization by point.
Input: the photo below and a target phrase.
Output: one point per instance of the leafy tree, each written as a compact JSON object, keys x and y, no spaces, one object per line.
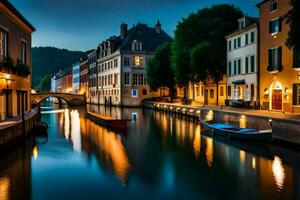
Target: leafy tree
{"x":204,"y":30}
{"x":45,"y":84}
{"x":159,"y":71}
{"x":293,"y":19}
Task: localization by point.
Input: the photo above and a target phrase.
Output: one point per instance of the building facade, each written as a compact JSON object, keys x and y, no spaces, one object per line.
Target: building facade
{"x":15,"y":61}
{"x":242,"y":62}
{"x":63,"y":81}
{"x":76,"y":77}
{"x":279,"y":65}
{"x":120,"y":65}
{"x":93,"y":74}
{"x":84,"y":77}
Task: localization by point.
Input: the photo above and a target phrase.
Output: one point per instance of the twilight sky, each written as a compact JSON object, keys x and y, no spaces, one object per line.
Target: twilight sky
{"x":82,"y":24}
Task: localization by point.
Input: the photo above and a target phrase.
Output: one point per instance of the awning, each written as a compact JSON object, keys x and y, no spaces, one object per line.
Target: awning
{"x":239,"y":82}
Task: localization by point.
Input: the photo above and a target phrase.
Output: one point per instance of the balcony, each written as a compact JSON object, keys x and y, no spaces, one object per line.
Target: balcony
{"x":7,"y":66}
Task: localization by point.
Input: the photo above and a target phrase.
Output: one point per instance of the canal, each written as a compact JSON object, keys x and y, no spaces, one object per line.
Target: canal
{"x":160,"y":156}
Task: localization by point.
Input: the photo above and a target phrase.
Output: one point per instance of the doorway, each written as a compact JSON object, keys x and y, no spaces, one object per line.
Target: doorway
{"x":206,"y":97}
{"x":277,"y":100}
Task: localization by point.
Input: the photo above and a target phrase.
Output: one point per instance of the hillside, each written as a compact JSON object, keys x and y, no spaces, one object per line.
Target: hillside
{"x":47,"y":60}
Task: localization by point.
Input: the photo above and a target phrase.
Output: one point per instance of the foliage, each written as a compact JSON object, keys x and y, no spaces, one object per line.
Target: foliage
{"x":159,"y":71}
{"x":45,"y":83}
{"x":208,"y":26}
{"x":293,"y":19}
{"x":46,"y":60}
{"x":22,"y":69}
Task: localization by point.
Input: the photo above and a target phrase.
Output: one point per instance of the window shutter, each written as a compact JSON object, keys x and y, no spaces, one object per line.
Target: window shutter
{"x":247,"y":64}
{"x":280,"y":22}
{"x":270,"y":27}
{"x":295,"y":87}
{"x":280,"y":57}
{"x":270,"y":59}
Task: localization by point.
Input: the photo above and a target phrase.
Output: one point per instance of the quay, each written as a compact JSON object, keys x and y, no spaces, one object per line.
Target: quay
{"x":11,"y":129}
{"x":286,"y":127}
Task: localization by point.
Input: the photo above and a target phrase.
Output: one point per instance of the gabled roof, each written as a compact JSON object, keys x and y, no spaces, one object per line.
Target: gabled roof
{"x":17,"y":13}
{"x":150,"y":38}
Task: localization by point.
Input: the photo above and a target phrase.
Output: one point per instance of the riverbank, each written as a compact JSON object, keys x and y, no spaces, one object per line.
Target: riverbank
{"x":286,"y":127}
{"x":11,"y":129}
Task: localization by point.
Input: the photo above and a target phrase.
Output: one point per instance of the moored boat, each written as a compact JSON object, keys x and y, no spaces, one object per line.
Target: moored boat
{"x":235,"y":132}
{"x":107,"y":121}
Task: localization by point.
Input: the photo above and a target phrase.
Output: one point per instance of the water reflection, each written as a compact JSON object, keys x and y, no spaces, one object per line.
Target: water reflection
{"x":197,"y":142}
{"x":4,"y":188}
{"x":109,"y":148}
{"x":67,"y":124}
{"x":209,"y":151}
{"x":35,"y":152}
{"x":278,"y":173}
{"x":75,"y":130}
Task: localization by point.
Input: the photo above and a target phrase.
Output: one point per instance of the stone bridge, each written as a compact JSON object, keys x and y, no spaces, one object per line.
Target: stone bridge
{"x":71,"y":99}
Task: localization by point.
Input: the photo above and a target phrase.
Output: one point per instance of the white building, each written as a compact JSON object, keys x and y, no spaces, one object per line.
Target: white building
{"x":76,"y":77}
{"x":242,"y":62}
{"x":121,"y":62}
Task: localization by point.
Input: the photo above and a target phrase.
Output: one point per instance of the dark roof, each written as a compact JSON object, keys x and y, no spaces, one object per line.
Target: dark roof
{"x":17,"y":13}
{"x":63,"y":73}
{"x":253,"y":21}
{"x":262,"y":2}
{"x":150,"y":38}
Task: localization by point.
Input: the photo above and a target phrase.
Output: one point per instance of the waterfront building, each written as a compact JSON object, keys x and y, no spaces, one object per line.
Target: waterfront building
{"x":205,"y":93}
{"x":119,"y":76}
{"x":76,"y":77}
{"x":84,"y":77}
{"x":15,"y":61}
{"x":63,"y":81}
{"x":93,"y":89}
{"x":242,"y":62}
{"x":279,"y":65}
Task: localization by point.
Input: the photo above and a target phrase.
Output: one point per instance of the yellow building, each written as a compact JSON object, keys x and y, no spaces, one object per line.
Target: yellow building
{"x":15,"y":61}
{"x":279,"y":65}
{"x":205,"y":93}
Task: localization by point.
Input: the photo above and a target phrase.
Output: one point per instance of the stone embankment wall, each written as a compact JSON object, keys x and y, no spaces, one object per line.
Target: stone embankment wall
{"x":12,"y":132}
{"x":286,"y":130}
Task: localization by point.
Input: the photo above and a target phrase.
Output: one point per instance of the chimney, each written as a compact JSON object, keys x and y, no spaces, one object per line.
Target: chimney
{"x":123,"y":30}
{"x":158,"y":27}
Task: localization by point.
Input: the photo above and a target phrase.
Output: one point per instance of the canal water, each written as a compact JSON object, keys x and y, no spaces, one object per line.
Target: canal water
{"x":160,"y":156}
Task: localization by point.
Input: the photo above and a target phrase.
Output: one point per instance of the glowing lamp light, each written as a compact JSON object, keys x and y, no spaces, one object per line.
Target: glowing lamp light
{"x":286,"y":90}
{"x":266,"y":91}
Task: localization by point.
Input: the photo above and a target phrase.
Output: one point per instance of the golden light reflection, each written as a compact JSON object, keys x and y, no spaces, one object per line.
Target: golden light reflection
{"x":242,"y":156}
{"x":243,"y":121}
{"x":75,"y":130}
{"x":112,"y":148}
{"x":209,"y":116}
{"x":67,"y":124}
{"x":4,"y":188}
{"x":197,"y":142}
{"x":209,"y":151}
{"x":278,"y":173}
{"x":35,"y":152}
{"x":253,"y":163}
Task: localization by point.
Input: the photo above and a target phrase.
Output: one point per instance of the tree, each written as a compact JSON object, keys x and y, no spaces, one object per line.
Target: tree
{"x":159,"y":72}
{"x":293,"y":19}
{"x":206,"y":28}
{"x":45,"y":83}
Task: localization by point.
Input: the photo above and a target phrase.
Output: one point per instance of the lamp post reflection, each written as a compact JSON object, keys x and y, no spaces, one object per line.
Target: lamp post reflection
{"x":67,"y":124}
{"x":75,"y":130}
{"x":278,"y":173}
{"x":197,"y":142}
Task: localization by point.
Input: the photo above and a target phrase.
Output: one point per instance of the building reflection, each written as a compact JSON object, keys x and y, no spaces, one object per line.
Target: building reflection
{"x":108,"y":148}
{"x":75,"y":130}
{"x":197,"y":142}
{"x":67,"y":124}
{"x":15,"y":172}
{"x":278,"y":173}
{"x":209,"y":151}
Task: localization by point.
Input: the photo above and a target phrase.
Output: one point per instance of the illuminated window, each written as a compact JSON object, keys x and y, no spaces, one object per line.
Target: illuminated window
{"x":138,"y":61}
{"x":134,"y":93}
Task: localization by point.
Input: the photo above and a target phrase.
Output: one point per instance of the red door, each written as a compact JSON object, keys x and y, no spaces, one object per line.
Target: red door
{"x":277,"y":100}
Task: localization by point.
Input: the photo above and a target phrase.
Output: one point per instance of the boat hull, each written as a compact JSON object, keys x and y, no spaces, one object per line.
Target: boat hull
{"x":263,"y":137}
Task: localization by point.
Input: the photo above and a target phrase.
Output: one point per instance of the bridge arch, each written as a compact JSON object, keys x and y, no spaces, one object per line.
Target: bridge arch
{"x":71,"y":99}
